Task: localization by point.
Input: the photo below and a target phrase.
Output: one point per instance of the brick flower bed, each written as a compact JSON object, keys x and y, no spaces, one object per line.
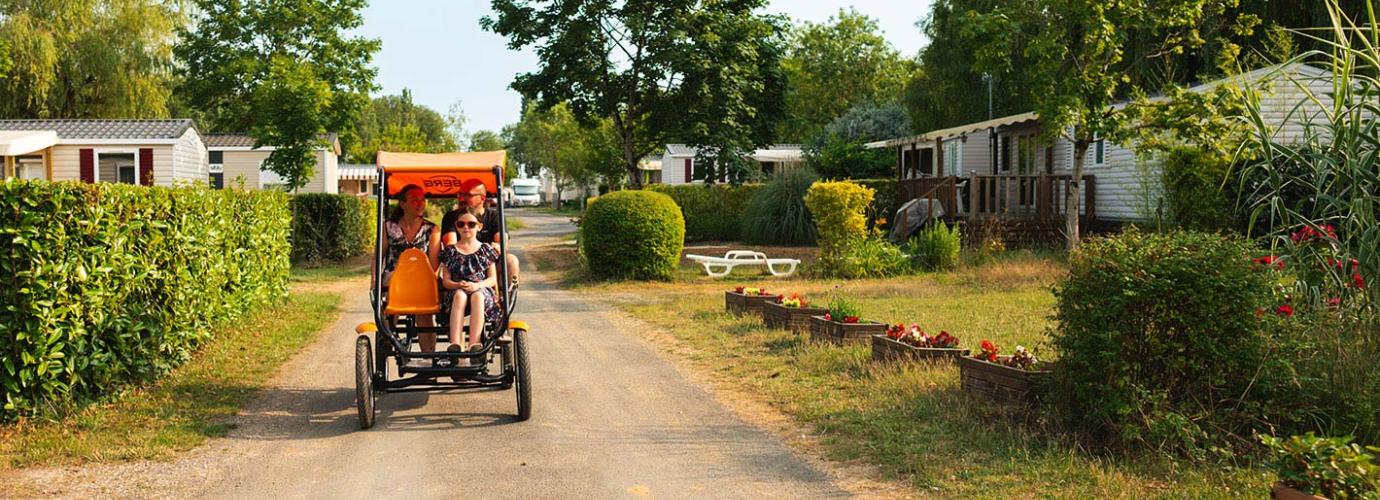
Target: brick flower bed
{"x":743,"y":303}
{"x":795,"y":319}
{"x":839,"y":333}
{"x":996,"y":382}
{"x":886,"y":349}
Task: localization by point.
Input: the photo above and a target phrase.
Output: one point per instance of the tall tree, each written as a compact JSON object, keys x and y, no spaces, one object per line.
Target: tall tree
{"x":572,"y":154}
{"x":834,"y":66}
{"x":395,"y":123}
{"x":486,"y":140}
{"x":285,"y":71}
{"x":838,"y":151}
{"x":948,"y":90}
{"x":86,"y":58}
{"x":1074,"y":55}
{"x":733,"y":108}
{"x":622,"y":60}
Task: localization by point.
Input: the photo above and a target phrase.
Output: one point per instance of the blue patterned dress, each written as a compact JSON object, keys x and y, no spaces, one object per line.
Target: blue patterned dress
{"x":472,"y":267}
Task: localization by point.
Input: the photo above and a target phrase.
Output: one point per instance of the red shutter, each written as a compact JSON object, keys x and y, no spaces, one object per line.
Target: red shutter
{"x":687,"y":170}
{"x":88,"y":165}
{"x":146,"y":166}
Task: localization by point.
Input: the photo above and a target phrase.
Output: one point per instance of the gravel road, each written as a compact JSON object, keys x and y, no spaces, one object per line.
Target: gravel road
{"x":611,"y":419}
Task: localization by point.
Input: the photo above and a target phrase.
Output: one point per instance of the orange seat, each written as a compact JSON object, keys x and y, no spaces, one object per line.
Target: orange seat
{"x":412,"y":288}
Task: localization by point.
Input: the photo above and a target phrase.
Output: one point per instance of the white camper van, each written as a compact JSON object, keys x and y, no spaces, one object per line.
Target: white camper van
{"x":525,"y":193}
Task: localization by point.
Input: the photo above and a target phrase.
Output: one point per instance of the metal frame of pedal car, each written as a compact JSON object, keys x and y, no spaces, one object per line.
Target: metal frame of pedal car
{"x":384,"y":339}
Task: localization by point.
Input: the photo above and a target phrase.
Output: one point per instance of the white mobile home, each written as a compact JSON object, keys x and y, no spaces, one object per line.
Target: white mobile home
{"x":144,"y":152}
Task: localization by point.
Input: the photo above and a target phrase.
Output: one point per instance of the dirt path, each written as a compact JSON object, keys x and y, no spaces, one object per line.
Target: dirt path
{"x":611,"y":419}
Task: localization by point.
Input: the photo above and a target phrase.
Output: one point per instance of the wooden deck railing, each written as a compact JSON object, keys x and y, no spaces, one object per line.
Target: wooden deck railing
{"x":1028,"y":196}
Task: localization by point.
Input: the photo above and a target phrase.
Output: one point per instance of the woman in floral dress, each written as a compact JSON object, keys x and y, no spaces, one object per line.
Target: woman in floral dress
{"x":468,"y":280}
{"x":405,"y":228}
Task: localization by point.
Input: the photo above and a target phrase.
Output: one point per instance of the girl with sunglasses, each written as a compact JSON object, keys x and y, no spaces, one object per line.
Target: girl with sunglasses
{"x":468,"y":278}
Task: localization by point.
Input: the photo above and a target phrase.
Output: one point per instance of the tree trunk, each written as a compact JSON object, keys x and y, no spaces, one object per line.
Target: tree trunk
{"x":629,"y":162}
{"x":1075,"y":198}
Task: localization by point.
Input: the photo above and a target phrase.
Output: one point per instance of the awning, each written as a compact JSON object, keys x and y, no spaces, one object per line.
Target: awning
{"x":442,"y":174}
{"x":358,"y":173}
{"x":22,"y":142}
{"x":778,"y":155}
{"x":952,"y":131}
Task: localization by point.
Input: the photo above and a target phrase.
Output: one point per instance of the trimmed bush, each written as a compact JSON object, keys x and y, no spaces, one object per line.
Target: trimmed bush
{"x":111,"y":284}
{"x":838,"y":208}
{"x":1160,"y":343}
{"x":632,"y":234}
{"x":712,"y":212}
{"x":331,"y":227}
{"x":777,"y":215}
{"x":935,"y":247}
{"x":1194,"y":193}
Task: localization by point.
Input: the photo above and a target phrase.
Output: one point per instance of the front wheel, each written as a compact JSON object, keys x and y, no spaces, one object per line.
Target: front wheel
{"x":364,"y":382}
{"x":522,"y":375}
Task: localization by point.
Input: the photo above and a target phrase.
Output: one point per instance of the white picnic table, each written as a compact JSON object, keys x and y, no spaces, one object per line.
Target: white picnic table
{"x":719,"y":267}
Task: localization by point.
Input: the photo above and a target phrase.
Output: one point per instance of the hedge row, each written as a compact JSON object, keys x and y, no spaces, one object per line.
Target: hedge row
{"x":110,"y":284}
{"x":331,"y":227}
{"x":712,"y":212}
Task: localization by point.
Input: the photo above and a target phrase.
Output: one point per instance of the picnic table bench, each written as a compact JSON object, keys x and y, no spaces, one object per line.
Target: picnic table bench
{"x":719,"y":267}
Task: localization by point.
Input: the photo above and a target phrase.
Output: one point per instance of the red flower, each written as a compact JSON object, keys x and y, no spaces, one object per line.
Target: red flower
{"x":1269,"y":260}
{"x":780,"y":299}
{"x":989,"y":351}
{"x":1359,"y":281}
{"x":1334,"y":302}
{"x":850,"y":319}
{"x":1285,"y":310}
{"x":828,"y":317}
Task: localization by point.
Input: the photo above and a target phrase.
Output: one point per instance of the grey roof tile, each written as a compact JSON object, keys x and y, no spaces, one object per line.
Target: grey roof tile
{"x":105,"y":129}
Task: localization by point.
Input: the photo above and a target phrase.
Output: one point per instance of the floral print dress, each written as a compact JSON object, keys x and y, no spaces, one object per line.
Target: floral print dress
{"x":472,"y":267}
{"x":397,"y":243}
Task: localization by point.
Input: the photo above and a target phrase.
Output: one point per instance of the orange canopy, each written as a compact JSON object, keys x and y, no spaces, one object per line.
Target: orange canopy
{"x":441,"y":174}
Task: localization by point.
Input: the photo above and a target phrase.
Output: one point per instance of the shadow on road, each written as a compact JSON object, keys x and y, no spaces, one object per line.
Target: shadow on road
{"x":292,"y":414}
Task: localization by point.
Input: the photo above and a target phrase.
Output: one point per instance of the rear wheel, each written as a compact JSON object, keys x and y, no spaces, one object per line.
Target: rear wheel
{"x":522,"y":375}
{"x":364,"y":382}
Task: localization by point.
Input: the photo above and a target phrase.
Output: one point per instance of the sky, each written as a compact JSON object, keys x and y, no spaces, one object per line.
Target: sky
{"x":436,"y":49}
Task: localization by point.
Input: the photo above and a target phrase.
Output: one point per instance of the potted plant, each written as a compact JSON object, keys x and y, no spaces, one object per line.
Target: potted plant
{"x":1310,"y":467}
{"x":900,"y":342}
{"x":841,"y":324}
{"x":1014,"y":378}
{"x":745,"y":300}
{"x":791,"y":313}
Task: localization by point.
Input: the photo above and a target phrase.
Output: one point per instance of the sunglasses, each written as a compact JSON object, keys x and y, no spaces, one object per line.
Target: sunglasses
{"x":466,"y":224}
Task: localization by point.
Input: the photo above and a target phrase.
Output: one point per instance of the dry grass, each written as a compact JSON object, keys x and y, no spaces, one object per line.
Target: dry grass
{"x":911,"y":420}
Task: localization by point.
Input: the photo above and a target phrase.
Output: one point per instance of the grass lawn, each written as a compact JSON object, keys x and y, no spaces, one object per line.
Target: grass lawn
{"x":189,"y":405}
{"x":911,"y":420}
{"x":516,"y":224}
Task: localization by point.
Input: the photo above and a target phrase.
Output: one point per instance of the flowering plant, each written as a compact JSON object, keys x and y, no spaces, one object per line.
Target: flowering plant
{"x":989,"y":351}
{"x":1308,"y":234}
{"x":1269,"y":261}
{"x":1021,"y":359}
{"x":842,"y":309}
{"x":795,"y":300}
{"x":917,"y":337}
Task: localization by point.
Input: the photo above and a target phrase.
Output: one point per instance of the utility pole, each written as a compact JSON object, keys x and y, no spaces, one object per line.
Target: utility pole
{"x":988,"y":79}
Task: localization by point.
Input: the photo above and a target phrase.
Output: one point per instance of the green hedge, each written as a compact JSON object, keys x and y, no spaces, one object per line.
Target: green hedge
{"x":712,"y":212}
{"x":1160,"y":341}
{"x":331,"y":227}
{"x":110,"y":284}
{"x":632,"y":234}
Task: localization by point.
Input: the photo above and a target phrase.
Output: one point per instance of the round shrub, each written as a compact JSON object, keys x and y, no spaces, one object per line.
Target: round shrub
{"x":1160,"y":341}
{"x":632,"y":234}
{"x":776,"y":214}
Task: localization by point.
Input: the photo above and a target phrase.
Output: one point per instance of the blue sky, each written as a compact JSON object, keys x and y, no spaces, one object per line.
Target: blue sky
{"x":437,"y":49}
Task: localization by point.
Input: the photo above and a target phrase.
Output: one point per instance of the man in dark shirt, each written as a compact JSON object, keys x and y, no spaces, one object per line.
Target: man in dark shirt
{"x":471,"y":198}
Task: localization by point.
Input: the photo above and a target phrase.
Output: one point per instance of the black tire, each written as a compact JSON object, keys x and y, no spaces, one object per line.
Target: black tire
{"x":364,"y":382}
{"x":522,"y":374}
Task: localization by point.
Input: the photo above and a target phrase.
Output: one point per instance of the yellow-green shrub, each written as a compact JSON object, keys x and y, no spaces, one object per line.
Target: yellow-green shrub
{"x":111,"y":284}
{"x":839,"y":210}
